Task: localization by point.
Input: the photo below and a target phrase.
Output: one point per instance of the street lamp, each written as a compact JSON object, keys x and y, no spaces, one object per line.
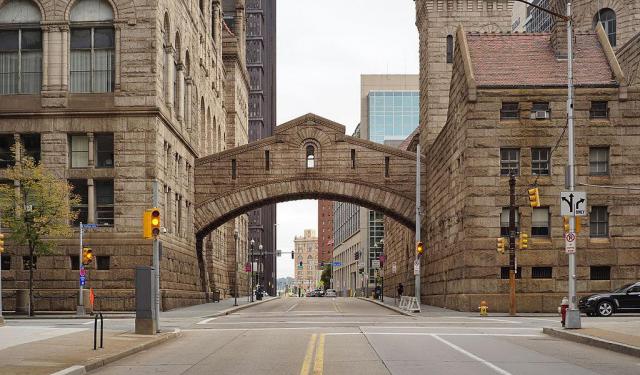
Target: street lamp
{"x":260,"y":275}
{"x":252,"y":244}
{"x":235,"y":284}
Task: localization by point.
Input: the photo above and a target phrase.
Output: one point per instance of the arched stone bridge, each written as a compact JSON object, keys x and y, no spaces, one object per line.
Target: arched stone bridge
{"x":309,"y":157}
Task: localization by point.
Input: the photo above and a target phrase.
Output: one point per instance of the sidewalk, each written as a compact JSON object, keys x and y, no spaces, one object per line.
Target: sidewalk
{"x":622,"y":336}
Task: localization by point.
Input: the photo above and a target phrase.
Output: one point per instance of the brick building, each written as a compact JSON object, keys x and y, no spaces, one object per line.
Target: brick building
{"x":325,"y":231}
{"x":112,"y":95}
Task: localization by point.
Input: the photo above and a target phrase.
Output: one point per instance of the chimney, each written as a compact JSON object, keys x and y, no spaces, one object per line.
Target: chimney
{"x":559,"y":29}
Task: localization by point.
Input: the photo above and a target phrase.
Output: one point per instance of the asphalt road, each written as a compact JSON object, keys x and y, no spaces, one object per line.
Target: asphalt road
{"x":348,"y":336}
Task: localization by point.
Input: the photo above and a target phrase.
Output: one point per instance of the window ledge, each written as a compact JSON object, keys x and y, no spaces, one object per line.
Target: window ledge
{"x":599,"y":240}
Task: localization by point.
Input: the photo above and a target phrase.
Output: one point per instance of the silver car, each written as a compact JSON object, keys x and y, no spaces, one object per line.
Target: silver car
{"x":330,"y":293}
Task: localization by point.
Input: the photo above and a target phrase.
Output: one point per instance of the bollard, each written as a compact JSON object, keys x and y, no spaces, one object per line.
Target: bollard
{"x":95,"y":330}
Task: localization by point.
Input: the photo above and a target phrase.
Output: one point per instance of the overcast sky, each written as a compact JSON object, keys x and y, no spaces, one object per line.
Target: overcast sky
{"x":322,"y":49}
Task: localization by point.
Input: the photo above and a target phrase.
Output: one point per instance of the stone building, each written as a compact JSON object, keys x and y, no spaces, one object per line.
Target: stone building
{"x":306,"y":255}
{"x":112,"y":95}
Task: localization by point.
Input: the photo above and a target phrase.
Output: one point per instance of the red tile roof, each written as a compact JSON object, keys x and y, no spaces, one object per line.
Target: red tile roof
{"x":528,"y":59}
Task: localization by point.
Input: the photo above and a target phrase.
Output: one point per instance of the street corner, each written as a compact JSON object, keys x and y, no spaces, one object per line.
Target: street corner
{"x":600,"y":338}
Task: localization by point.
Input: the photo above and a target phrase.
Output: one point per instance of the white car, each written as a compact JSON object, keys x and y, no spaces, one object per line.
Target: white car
{"x":330,"y":293}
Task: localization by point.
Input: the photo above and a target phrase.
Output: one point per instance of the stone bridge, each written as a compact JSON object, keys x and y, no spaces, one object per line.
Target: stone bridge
{"x":309,"y":157}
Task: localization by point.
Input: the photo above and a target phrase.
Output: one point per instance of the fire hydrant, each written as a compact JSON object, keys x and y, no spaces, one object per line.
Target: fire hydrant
{"x":564,"y":305}
{"x":484,"y":308}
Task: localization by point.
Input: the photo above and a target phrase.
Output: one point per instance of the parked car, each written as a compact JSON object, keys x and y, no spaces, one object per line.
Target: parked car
{"x":330,"y":293}
{"x":622,"y":300}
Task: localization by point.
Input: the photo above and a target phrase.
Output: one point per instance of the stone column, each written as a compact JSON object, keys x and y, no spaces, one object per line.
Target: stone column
{"x":180,"y":94}
{"x":91,"y":195}
{"x":64,"y":49}
{"x":45,"y":58}
{"x":187,"y":103}
{"x":117,"y":48}
{"x":169,"y":83}
{"x":91,"y":157}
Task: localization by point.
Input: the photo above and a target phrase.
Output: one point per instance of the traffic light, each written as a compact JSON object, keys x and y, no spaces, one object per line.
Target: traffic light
{"x":356,"y":256}
{"x":524,"y":241}
{"x":565,"y":224}
{"x":293,"y":255}
{"x":500,"y":245}
{"x":151,"y":223}
{"x":534,"y":197}
{"x":1,"y":243}
{"x":87,"y":255}
{"x":419,"y":248}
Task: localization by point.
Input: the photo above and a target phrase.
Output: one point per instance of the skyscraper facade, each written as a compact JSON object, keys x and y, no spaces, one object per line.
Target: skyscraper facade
{"x":261,"y":66}
{"x":325,"y":231}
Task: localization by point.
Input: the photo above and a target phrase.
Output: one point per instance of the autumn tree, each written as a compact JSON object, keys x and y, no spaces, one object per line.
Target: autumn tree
{"x":35,"y":208}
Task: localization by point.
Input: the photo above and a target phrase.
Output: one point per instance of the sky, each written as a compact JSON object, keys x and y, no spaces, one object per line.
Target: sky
{"x":322,"y":49}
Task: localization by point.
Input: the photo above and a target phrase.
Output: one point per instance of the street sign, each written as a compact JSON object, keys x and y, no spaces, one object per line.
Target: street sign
{"x":570,"y":243}
{"x":394,"y":267}
{"x":337,"y":264}
{"x":573,"y":203}
{"x":375,"y":264}
{"x":83,"y":272}
{"x":82,"y":280}
{"x":416,"y":267}
{"x":247,"y":267}
{"x":89,"y":226}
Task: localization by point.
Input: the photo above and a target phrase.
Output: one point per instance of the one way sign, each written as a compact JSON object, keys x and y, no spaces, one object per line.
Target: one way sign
{"x":573,"y":203}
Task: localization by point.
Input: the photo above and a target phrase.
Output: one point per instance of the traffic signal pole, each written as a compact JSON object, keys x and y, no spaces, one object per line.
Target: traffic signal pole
{"x":418,"y":184}
{"x":512,"y":244}
{"x":156,"y":262}
{"x":80,"y":308}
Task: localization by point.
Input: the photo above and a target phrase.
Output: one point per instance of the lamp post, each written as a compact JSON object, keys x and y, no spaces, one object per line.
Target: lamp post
{"x":382,"y":258}
{"x":235,"y":261}
{"x":573,"y":314}
{"x":260,"y":275}
{"x":252,"y":245}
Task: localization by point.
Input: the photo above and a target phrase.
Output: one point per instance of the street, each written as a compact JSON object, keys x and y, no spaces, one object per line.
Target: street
{"x":351,"y":336}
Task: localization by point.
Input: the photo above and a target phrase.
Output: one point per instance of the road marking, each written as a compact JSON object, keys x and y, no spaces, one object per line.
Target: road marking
{"x":430,"y":334}
{"x":207,"y":320}
{"x":423,"y":327}
{"x":491,"y":319}
{"x":416,"y":323}
{"x":306,"y":363}
{"x":473,"y":356}
{"x":293,"y":307}
{"x":319,"y":362}
{"x":545,"y":320}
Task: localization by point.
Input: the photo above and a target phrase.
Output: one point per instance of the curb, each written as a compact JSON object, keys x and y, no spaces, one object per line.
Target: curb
{"x":231,"y":310}
{"x":97,"y":363}
{"x":392,"y":308}
{"x":593,"y":341}
{"x":57,"y":317}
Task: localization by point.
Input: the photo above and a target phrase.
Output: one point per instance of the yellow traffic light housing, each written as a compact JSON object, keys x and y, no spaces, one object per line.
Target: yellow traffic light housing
{"x":534,"y":197}
{"x":419,"y":248}
{"x":565,"y":224}
{"x":1,"y":243}
{"x":151,"y":223}
{"x":500,"y":245}
{"x":87,"y":255}
{"x":524,"y":241}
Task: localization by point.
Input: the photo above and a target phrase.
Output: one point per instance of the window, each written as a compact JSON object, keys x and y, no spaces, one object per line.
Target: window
{"x":504,"y":272}
{"x":386,"y":166}
{"x":599,"y":222}
{"x":6,"y":155}
{"x":599,"y":110}
{"x":510,"y":111}
{"x":20,"y":48}
{"x":599,"y":160}
{"x":31,"y":145}
{"x":104,"y":150}
{"x":540,"y":221}
{"x":311,"y":159}
{"x":92,"y":59}
{"x":608,"y":19}
{"x":540,"y":111}
{"x":600,"y":273}
{"x":540,"y":161}
{"x":75,"y":262}
{"x":103,"y":263}
{"x":509,"y":161}
{"x":353,"y":158}
{"x":26,"y":263}
{"x":266,"y":160}
{"x":6,"y":262}
{"x":541,"y":272}
{"x":80,"y":189}
{"x":104,"y":203}
{"x":79,"y":151}
{"x":234,"y":169}
{"x":504,"y":221}
{"x":449,"y":49}
{"x":540,"y":106}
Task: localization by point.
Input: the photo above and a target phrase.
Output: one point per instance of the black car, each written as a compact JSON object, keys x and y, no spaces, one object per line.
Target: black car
{"x":622,"y":300}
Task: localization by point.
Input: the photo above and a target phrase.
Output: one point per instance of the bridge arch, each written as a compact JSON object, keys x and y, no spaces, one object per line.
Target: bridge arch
{"x":276,"y":169}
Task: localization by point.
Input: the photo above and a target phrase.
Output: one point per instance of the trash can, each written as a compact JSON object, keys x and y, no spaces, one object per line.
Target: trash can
{"x":216,"y":296}
{"x":258,"y":295}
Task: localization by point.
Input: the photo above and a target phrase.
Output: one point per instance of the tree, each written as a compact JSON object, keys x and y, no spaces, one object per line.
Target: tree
{"x":36,"y":209}
{"x":325,"y":277}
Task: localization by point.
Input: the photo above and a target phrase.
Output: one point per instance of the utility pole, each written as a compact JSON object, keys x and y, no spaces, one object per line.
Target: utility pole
{"x":80,"y":308}
{"x":235,"y":262}
{"x":512,"y":244}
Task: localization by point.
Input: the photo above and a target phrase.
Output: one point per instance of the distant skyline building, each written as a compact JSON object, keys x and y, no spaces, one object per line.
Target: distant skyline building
{"x":389,"y":113}
{"x":306,"y":258}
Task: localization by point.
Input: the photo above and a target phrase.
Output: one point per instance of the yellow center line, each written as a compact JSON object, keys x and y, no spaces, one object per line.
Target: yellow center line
{"x":319,"y":363}
{"x":306,"y":364}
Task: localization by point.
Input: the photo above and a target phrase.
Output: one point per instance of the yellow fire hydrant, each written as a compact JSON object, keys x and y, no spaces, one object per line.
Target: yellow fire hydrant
{"x":484,"y":308}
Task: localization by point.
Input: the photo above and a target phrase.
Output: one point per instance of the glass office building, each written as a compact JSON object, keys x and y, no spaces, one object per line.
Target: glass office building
{"x":393,"y":115}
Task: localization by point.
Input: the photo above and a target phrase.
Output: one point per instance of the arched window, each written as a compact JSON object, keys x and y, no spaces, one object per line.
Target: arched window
{"x":176,"y":62}
{"x":166,"y":42}
{"x":187,"y":99}
{"x":202,"y":6}
{"x":311,"y":158}
{"x":203,"y":128}
{"x":20,"y":48}
{"x":607,"y":17}
{"x":92,"y":62}
{"x":449,"y":49}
